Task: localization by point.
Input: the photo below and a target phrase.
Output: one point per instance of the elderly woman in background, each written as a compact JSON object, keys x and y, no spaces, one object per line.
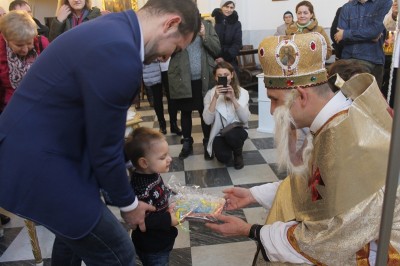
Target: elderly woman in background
{"x":229,"y":30}
{"x":19,"y":48}
{"x":70,"y":14}
{"x":307,"y":22}
{"x":288,"y":19}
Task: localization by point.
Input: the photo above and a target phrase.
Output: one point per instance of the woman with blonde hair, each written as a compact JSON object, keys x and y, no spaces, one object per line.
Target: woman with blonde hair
{"x":71,"y":13}
{"x":20,"y":45}
{"x":226,"y":104}
{"x":307,"y":22}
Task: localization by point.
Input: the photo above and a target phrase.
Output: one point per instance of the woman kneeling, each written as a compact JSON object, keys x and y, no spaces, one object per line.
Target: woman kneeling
{"x":223,"y":105}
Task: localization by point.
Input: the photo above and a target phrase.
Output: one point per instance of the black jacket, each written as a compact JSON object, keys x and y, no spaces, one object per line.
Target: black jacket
{"x":229,"y":30}
{"x":42,"y":29}
{"x":337,"y":46}
{"x":159,"y":235}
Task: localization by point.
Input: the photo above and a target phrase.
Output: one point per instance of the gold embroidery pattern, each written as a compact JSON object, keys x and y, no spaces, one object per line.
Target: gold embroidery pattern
{"x":293,"y":242}
{"x":393,"y":256}
{"x":363,"y":256}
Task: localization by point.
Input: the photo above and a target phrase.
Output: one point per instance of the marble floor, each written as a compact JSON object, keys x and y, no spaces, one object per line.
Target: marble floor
{"x":195,"y":245}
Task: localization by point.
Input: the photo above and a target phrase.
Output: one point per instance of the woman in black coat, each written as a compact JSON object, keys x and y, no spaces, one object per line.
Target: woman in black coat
{"x":229,"y":30}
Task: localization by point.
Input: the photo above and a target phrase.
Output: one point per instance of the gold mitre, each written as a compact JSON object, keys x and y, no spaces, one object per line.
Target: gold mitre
{"x":293,"y":61}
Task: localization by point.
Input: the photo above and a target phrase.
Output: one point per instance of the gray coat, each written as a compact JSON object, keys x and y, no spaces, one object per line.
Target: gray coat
{"x":179,"y":75}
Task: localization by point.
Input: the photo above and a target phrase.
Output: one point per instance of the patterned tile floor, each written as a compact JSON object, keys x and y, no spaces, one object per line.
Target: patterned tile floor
{"x":196,"y":246}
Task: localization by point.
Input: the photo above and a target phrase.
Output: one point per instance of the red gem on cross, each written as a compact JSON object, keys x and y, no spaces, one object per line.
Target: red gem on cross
{"x":313,"y":46}
{"x":290,"y":82}
{"x":262,"y":51}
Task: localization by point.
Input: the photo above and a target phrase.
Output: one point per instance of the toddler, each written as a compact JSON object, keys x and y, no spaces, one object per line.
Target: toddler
{"x":147,"y":149}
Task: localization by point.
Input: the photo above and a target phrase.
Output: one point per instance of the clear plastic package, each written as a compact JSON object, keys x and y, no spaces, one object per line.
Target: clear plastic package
{"x":190,"y":203}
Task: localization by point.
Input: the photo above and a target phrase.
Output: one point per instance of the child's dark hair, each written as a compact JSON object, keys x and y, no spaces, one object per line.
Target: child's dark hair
{"x":139,"y":142}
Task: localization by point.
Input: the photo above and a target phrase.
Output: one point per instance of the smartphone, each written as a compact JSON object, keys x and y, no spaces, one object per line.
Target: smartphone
{"x":223,"y":81}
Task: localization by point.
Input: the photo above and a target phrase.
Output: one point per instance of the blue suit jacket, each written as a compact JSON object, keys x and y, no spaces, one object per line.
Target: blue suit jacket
{"x":62,"y":134}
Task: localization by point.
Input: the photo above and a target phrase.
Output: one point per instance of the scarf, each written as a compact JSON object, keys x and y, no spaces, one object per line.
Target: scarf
{"x":75,"y":20}
{"x":300,"y":28}
{"x":18,"y":66}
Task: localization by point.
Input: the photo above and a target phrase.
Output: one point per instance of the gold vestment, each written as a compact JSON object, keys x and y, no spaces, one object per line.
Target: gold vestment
{"x":339,"y":206}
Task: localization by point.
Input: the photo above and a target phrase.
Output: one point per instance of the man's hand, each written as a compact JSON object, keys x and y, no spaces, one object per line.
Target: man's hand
{"x":339,"y":35}
{"x":136,"y":217}
{"x":377,"y":38}
{"x":237,"y":198}
{"x":232,"y":226}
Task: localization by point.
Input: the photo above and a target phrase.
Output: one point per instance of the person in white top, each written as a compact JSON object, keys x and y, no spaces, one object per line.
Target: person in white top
{"x":224,"y":105}
{"x":328,"y":210}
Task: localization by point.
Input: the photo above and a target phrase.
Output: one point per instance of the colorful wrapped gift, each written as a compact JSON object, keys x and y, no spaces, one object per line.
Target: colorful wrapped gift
{"x":190,"y":203}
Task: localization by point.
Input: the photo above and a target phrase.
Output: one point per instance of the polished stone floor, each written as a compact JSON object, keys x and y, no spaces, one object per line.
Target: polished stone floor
{"x":195,"y":245}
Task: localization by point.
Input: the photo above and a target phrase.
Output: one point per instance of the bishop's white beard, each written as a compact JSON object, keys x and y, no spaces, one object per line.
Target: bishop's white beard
{"x":293,"y":153}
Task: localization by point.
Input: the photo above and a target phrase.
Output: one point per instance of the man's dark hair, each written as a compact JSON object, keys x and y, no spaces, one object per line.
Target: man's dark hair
{"x":346,"y":68}
{"x":16,"y":3}
{"x":187,"y":9}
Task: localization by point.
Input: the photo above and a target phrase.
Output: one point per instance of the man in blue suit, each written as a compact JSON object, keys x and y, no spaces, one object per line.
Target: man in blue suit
{"x":62,"y":134}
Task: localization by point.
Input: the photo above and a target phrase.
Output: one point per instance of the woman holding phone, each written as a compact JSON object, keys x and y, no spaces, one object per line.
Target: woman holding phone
{"x":225,"y":104}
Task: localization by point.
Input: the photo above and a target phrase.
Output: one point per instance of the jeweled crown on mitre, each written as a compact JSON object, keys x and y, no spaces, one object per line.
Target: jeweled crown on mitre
{"x":293,"y":61}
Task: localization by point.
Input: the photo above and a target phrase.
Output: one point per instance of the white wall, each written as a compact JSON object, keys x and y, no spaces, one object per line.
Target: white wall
{"x":40,"y":8}
{"x":260,"y":18}
{"x":47,"y":8}
{"x":262,"y":14}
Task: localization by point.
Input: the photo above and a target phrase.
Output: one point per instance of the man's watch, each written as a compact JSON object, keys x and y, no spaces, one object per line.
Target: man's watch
{"x":254,"y":232}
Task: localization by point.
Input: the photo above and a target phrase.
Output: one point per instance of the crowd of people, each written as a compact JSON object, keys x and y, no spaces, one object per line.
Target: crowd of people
{"x":71,"y":89}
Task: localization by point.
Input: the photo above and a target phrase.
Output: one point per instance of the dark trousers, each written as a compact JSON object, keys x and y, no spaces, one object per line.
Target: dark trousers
{"x":107,"y":244}
{"x":193,"y":104}
{"x":386,"y":79}
{"x":376,"y":70}
{"x":232,"y":140}
{"x":160,"y":258}
{"x":172,"y":110}
{"x":157,"y":92}
{"x":158,"y":101}
{"x":186,"y":124}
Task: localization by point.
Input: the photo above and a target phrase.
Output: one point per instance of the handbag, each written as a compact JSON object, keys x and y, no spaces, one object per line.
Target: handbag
{"x":229,"y":127}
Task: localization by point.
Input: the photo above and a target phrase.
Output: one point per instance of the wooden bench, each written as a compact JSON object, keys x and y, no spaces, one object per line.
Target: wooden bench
{"x":248,"y":68}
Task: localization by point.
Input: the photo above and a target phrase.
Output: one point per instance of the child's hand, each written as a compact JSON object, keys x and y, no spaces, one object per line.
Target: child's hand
{"x":174,"y":220}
